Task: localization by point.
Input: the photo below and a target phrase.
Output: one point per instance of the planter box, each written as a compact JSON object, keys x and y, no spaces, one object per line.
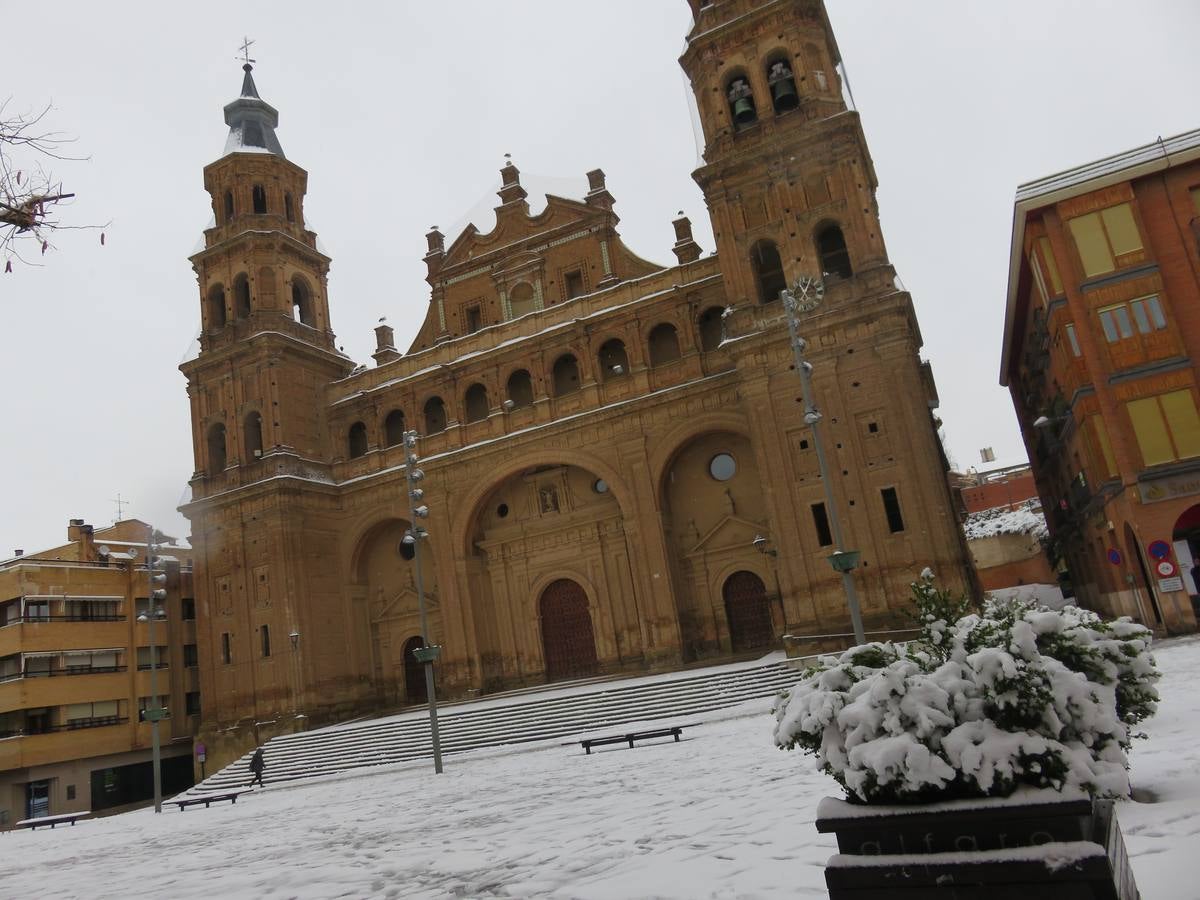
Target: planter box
{"x":1034,"y":844}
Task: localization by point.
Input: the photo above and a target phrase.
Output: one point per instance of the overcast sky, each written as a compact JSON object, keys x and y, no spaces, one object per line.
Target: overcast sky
{"x":402,"y":113}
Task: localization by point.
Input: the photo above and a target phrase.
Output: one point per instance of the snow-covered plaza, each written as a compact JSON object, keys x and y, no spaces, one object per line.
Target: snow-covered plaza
{"x":721,"y":814}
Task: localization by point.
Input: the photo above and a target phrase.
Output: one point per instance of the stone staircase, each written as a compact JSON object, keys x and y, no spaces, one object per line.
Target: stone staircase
{"x":562,"y":710}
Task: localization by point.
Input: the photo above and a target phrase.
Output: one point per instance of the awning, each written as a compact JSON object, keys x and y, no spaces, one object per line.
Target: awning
{"x":90,"y":652}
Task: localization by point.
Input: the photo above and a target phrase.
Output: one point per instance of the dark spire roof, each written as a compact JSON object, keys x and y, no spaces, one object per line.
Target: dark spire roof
{"x":252,"y":122}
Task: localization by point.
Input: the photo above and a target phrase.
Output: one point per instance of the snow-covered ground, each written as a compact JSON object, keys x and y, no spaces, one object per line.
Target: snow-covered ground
{"x":720,"y":814}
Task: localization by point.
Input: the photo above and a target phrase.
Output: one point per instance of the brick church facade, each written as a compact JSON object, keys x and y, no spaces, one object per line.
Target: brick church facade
{"x":603,"y":437}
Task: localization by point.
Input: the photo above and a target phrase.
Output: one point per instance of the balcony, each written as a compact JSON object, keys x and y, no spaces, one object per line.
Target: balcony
{"x":57,"y":633}
{"x":61,"y":686}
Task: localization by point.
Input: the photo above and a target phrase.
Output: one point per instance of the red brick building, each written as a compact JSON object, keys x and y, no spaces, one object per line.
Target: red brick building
{"x":1102,"y":334}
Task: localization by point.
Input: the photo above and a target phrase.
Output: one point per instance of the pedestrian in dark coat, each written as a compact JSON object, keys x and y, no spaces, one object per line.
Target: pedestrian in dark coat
{"x":258,"y":765}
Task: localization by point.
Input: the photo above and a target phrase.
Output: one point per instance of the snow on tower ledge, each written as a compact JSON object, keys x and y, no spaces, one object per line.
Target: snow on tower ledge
{"x":252,"y":122}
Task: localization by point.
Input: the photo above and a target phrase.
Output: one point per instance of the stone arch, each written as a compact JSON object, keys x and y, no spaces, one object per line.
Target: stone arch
{"x":567,"y":632}
{"x":832,"y":252}
{"x":217,"y":449}
{"x":356,"y":440}
{"x":614,"y":361}
{"x":393,"y":428}
{"x":303,"y":310}
{"x":747,"y":612}
{"x":435,"y":415}
{"x":663,"y":344}
{"x":566,"y":375}
{"x":475,"y":403}
{"x":388,"y":615}
{"x":241,"y":296}
{"x":520,"y":389}
{"x":216,"y":306}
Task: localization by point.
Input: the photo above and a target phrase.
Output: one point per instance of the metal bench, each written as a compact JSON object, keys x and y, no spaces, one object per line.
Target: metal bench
{"x":64,"y":818}
{"x":631,"y":736}
{"x":206,"y":799}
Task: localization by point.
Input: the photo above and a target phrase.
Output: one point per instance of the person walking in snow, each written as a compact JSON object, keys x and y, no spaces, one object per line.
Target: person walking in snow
{"x":257,"y":765}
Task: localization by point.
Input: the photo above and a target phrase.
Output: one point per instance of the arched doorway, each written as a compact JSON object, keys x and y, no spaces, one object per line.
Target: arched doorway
{"x":414,"y":673}
{"x":1186,"y":537}
{"x":568,"y":644}
{"x":747,"y":611}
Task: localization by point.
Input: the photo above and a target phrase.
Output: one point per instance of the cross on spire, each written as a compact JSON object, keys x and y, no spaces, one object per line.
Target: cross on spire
{"x":245,"y":48}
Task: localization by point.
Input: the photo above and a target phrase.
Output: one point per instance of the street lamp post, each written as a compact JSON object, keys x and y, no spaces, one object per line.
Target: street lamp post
{"x":843,"y":561}
{"x":411,"y":542}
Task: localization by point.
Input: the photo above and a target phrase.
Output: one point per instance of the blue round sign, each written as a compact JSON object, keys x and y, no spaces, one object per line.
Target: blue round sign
{"x":1159,"y":549}
{"x":1114,"y":556}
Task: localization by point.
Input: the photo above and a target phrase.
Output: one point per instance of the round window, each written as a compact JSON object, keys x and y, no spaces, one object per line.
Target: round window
{"x":600,"y":486}
{"x":502,"y":510}
{"x":722,"y":467}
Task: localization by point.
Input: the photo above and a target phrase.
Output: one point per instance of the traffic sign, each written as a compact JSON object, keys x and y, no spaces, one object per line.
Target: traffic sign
{"x":1166,"y":568}
{"x":1114,"y":556}
{"x":200,"y":749}
{"x":1159,"y":549}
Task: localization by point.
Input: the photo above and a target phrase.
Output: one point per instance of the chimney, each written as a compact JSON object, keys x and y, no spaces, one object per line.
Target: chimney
{"x":385,"y":346}
{"x":686,"y":249}
{"x":80,"y":532}
{"x":18,"y":553}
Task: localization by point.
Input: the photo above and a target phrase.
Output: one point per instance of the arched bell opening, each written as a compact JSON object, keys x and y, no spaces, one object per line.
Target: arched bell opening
{"x":768,"y":271}
{"x":393,"y":428}
{"x":216,"y":306}
{"x":712,"y":330}
{"x":216,"y":449}
{"x":259,"y":195}
{"x":302,"y":302}
{"x":241,"y":296}
{"x":476,"y":403}
{"x":435,"y":415}
{"x":520,"y":389}
{"x":663,"y":344}
{"x":742,"y":111}
{"x":357,"y":440}
{"x":566,"y":375}
{"x":832,"y":252}
{"x":614,"y":361}
{"x":253,"y":435}
{"x":782,"y":84}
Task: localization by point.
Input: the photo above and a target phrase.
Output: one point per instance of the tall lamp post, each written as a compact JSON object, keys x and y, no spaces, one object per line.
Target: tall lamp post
{"x":410,"y":548}
{"x":805,"y":296}
{"x":154,"y":712}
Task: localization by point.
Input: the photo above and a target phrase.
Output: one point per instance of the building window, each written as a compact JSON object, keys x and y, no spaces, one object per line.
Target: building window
{"x":768,"y":271}
{"x":891,"y":506}
{"x":260,"y":199}
{"x":1107,"y":239}
{"x":573,"y":284}
{"x":1072,"y":340}
{"x":358,"y":440}
{"x":192,"y":703}
{"x":147,"y":660}
{"x":614,"y":362}
{"x":521,"y":299}
{"x":393,"y":427}
{"x":1167,"y":427}
{"x":473,"y":319}
{"x":70,"y":792}
{"x":88,"y":715}
{"x":226,"y":649}
{"x":832,"y":252}
{"x":664,"y":344}
{"x":188,"y":607}
{"x":1118,"y":320}
{"x":520,"y":389}
{"x":191,"y":656}
{"x":264,"y":636}
{"x":476,"y":402}
{"x":566,"y":375}
{"x":435,"y":415}
{"x":742,"y":111}
{"x":145,"y":703}
{"x":821,"y":524}
{"x":873,"y":428}
{"x":722,"y":467}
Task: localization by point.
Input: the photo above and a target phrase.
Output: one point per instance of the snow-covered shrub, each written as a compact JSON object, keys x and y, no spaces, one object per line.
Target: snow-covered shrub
{"x":981,"y":702}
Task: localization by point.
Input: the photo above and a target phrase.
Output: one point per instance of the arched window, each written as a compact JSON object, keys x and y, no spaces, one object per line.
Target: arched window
{"x":614,"y":362}
{"x":241,"y":296}
{"x":768,"y":271}
{"x":260,"y":199}
{"x":288,"y":209}
{"x":302,"y":310}
{"x":476,"y":401}
{"x":831,"y":250}
{"x":664,"y":344}
{"x":216,"y":306}
{"x":742,"y":111}
{"x":782,"y":84}
{"x":358,"y":440}
{"x":393,"y":427}
{"x":521,"y":299}
{"x":253,"y":436}
{"x":216,"y":449}
{"x":712,"y":332}
{"x":435,"y":415}
{"x":566,"y":375}
{"x":520,"y":389}
{"x":228,"y":205}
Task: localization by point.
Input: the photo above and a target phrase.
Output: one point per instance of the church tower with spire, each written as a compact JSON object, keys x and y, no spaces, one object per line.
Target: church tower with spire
{"x":256,"y":389}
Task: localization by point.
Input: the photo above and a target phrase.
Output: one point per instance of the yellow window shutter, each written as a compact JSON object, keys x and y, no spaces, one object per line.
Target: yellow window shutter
{"x":1180,"y":410}
{"x":1093,"y":246}
{"x":1122,"y":229}
{"x":1151,"y":431}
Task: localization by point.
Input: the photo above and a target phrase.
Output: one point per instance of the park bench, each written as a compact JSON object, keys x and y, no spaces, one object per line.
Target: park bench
{"x":207,"y":799}
{"x":631,"y":736}
{"x":64,"y":818}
